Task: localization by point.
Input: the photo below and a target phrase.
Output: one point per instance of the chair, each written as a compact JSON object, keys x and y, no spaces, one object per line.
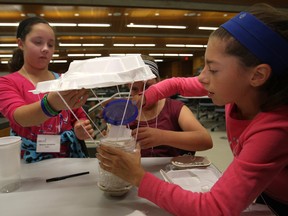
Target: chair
{"x":205,"y":107}
{"x":219,"y":117}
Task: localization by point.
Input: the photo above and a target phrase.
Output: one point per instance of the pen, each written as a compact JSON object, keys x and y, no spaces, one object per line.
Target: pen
{"x":66,"y":176}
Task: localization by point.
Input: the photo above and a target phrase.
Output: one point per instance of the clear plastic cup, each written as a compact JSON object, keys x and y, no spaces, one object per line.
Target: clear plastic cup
{"x":10,"y":179}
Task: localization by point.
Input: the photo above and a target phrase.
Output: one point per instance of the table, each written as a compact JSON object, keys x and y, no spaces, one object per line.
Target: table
{"x":198,"y":100}
{"x":74,"y":196}
{"x":80,"y":196}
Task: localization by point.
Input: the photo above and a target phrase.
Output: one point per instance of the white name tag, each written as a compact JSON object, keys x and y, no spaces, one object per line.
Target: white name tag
{"x":48,"y":143}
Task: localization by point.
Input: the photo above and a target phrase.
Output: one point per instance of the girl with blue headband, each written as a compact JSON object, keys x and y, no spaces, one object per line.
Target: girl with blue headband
{"x":246,"y":69}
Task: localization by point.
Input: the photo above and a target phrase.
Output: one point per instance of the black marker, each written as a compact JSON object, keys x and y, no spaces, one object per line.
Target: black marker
{"x":67,"y":176}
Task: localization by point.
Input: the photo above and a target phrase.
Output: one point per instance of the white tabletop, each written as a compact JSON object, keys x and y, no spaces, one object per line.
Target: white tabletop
{"x":79,"y":195}
{"x":74,"y":196}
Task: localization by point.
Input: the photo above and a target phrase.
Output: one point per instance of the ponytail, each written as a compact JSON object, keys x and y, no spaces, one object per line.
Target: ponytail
{"x":17,"y":60}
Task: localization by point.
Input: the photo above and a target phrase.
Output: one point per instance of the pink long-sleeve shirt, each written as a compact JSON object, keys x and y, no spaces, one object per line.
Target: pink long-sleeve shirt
{"x":260,"y":164}
{"x":14,"y":92}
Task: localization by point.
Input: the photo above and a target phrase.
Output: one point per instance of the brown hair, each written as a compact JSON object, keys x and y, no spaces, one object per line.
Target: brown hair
{"x":276,"y":87}
{"x":24,"y":28}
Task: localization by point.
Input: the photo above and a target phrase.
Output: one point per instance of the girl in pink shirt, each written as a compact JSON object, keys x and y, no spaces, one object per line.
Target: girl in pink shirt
{"x":246,"y":69}
{"x":33,"y":116}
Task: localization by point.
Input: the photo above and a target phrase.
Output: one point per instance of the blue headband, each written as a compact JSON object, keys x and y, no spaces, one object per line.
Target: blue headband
{"x":267,"y":45}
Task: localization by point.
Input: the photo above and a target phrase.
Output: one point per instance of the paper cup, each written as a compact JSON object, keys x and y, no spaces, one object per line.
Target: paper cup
{"x":10,"y":163}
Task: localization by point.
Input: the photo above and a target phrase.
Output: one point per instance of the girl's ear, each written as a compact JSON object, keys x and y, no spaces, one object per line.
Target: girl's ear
{"x":20,"y":43}
{"x":260,"y":75}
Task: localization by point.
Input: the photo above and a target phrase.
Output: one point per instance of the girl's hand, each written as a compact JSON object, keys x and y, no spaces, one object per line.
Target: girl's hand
{"x":148,"y":137}
{"x":80,"y":133}
{"x":125,"y":165}
{"x":73,"y":98}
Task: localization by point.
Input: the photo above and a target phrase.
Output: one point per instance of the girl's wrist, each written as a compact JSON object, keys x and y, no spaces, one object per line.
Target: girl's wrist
{"x":53,"y":106}
{"x":47,"y":109}
{"x":138,"y":177}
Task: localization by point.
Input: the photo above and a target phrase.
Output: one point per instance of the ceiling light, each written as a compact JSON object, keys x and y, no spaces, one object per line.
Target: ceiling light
{"x":171,"y":27}
{"x":195,"y":45}
{"x":190,"y":14}
{"x":5,"y":55}
{"x":91,"y":54}
{"x":9,"y":24}
{"x":8,"y":45}
{"x":117,"y":14}
{"x":82,"y":54}
{"x":76,"y":55}
{"x":63,"y":24}
{"x":155,"y":54}
{"x":175,"y":45}
{"x":55,"y":55}
{"x":144,"y":45}
{"x":186,"y":45}
{"x":58,"y":61}
{"x":98,"y":45}
{"x":70,"y":44}
{"x":185,"y":54}
{"x":207,"y":28}
{"x":170,"y":54}
{"x":31,"y":15}
{"x":132,"y":25}
{"x":93,"y":25}
{"x":126,"y":45}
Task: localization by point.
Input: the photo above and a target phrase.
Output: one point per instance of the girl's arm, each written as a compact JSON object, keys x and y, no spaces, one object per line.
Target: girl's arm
{"x":193,"y":137}
{"x":28,"y":115}
{"x":177,"y":85}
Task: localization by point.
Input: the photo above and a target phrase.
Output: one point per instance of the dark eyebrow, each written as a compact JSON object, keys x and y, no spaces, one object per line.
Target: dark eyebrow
{"x":40,"y":37}
{"x":208,"y":61}
{"x":211,"y":62}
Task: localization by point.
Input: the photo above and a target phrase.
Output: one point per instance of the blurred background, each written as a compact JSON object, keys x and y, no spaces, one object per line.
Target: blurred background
{"x":174,"y":32}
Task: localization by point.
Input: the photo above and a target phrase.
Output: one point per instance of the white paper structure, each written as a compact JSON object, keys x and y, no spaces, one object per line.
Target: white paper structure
{"x":99,"y":73}
{"x":119,"y":133}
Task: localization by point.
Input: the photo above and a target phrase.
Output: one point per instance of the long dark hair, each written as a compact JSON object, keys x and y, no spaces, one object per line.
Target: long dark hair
{"x":25,"y":26}
{"x":276,"y":87}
